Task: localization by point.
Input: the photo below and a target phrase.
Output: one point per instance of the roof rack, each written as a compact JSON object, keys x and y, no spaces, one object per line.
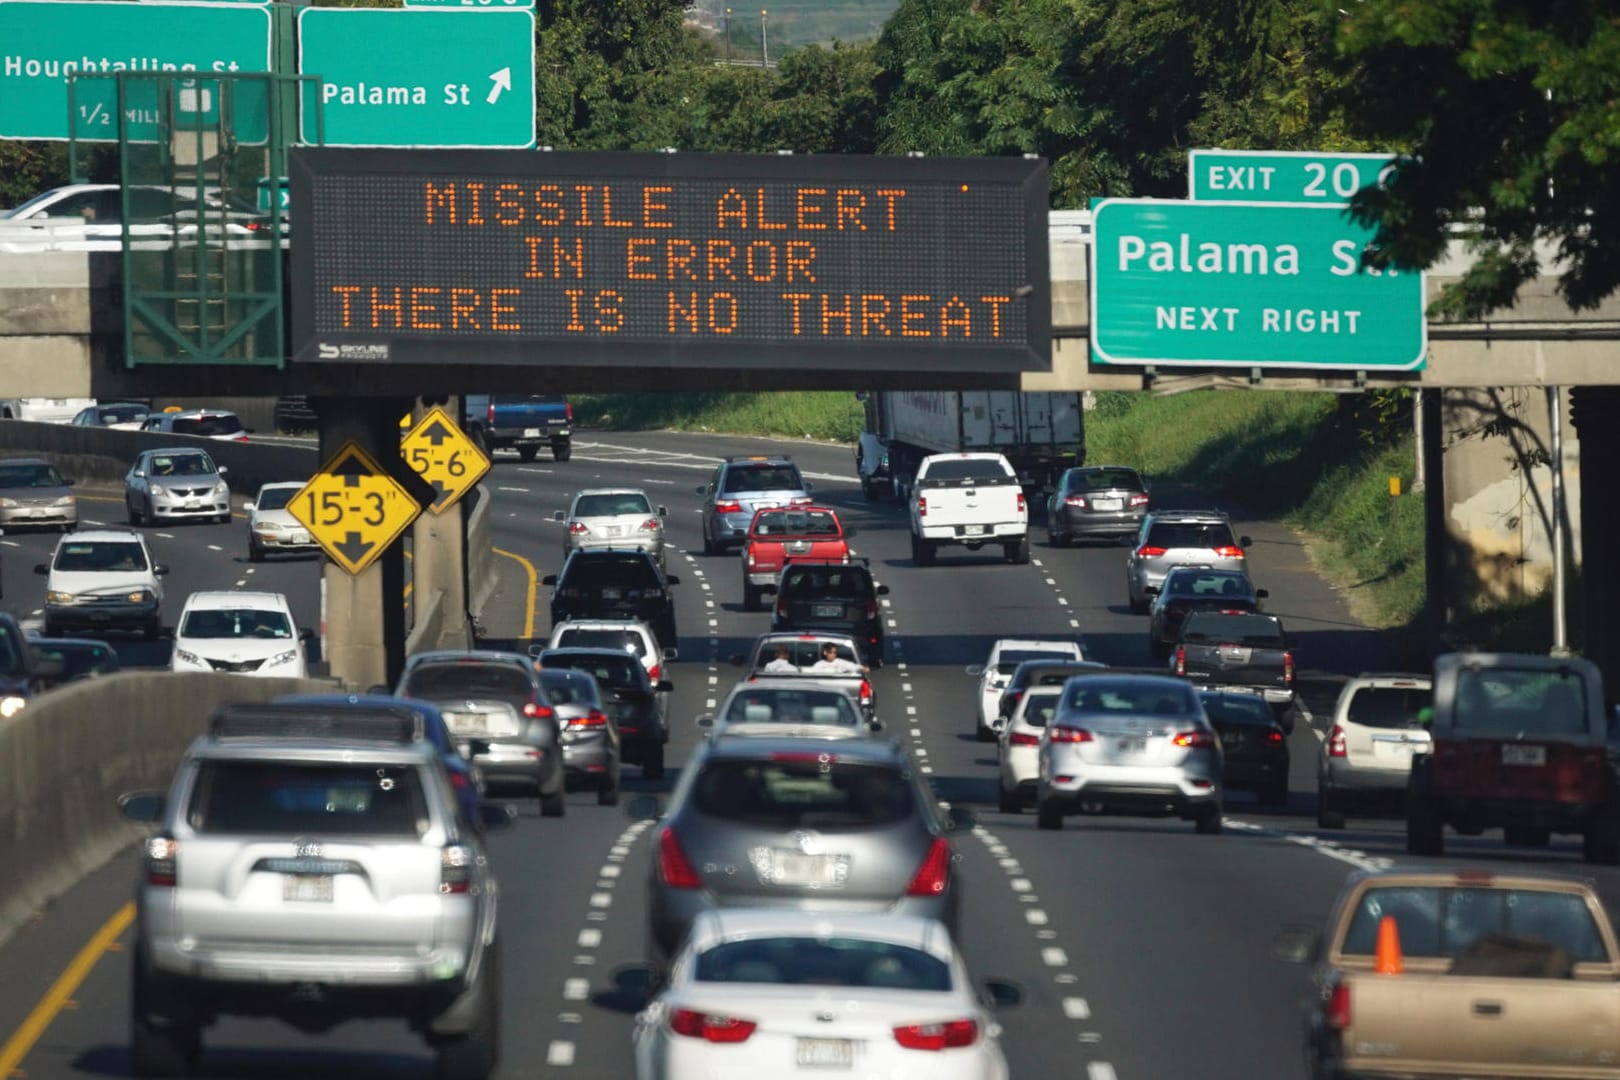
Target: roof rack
{"x":368,"y":723}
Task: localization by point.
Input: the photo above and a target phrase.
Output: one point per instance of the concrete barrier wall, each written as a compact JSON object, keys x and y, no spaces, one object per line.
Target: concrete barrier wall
{"x":66,"y":758}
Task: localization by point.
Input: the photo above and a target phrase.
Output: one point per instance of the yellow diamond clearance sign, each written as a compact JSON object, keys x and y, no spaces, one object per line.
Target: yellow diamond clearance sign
{"x":441,"y":452}
{"x":353,"y":508}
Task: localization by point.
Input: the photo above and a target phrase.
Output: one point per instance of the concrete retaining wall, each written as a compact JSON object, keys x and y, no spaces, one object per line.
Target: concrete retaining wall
{"x":66,"y":758}
{"x":481,"y":576}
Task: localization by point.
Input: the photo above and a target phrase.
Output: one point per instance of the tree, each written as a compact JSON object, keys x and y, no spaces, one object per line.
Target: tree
{"x":1506,"y":116}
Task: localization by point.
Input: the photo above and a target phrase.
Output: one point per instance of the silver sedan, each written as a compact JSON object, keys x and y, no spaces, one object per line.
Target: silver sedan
{"x":613,"y":518}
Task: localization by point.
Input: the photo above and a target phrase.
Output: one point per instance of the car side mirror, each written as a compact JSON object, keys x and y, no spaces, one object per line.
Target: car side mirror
{"x":975,"y":670}
{"x":644,"y":808}
{"x":140,"y":474}
{"x":1261,"y":594}
{"x":536,"y":650}
{"x":883,"y":590}
{"x":1001,"y":994}
{"x":477,"y":747}
{"x":808,"y":486}
{"x":549,"y":579}
{"x":875,"y":725}
{"x":223,"y":470}
{"x":705,"y":721}
{"x":960,"y":819}
{"x":142,"y":806}
{"x":41,"y":568}
{"x":665,"y":686}
{"x":672,"y":579}
{"x":663,"y":511}
{"x":558,"y":515}
{"x":306,"y":635}
{"x":161,"y":569}
{"x":1244,"y":541}
{"x":1296,"y":945}
{"x":671,"y":654}
{"x":497,"y":815}
{"x":72,"y":483}
{"x":1151,"y":590}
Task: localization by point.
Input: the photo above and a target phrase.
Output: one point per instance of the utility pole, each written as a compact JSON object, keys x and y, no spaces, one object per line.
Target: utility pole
{"x":728,"y":37}
{"x":1555,"y":443}
{"x":764,"y":48}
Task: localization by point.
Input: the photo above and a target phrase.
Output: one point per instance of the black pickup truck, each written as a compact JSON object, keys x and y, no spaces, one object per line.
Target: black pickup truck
{"x":521,"y":422}
{"x":1250,"y":651}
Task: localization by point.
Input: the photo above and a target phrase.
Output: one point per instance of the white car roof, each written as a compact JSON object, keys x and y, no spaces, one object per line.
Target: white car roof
{"x":1065,"y":645}
{"x":101,"y":536}
{"x":225,"y":599}
{"x":609,"y":491}
{"x":729,"y":924}
{"x":296,"y":485}
{"x":601,"y":624}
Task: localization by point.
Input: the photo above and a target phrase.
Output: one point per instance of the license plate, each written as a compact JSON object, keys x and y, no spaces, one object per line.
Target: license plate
{"x":1524,"y":755}
{"x":829,"y":611}
{"x":973,"y":530}
{"x":300,"y":537}
{"x":1131,"y":746}
{"x":614,"y":530}
{"x":1108,"y":504}
{"x":1231,"y":738}
{"x":306,"y":888}
{"x":475,"y":723}
{"x":1239,"y":653}
{"x":531,"y":433}
{"x":825,"y":1054}
{"x":613,"y":594}
{"x":779,"y":866}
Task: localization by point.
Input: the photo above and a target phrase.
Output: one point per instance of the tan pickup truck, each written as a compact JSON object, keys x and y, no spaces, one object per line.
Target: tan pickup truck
{"x":1464,"y":974}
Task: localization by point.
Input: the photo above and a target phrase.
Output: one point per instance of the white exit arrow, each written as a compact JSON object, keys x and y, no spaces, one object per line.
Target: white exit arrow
{"x":503,"y":81}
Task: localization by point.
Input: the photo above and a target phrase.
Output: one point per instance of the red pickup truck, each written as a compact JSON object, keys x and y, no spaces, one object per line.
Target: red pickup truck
{"x":779,"y":535}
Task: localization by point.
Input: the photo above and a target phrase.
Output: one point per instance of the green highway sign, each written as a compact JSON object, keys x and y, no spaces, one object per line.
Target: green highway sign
{"x":279,"y":200}
{"x":446,"y":78}
{"x":42,"y":42}
{"x":1277,"y":176}
{"x":471,"y":5}
{"x":1246,"y":284}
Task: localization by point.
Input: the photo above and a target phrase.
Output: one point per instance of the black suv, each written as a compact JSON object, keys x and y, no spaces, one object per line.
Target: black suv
{"x":630,"y":694}
{"x":610,"y":583}
{"x":832,"y":596}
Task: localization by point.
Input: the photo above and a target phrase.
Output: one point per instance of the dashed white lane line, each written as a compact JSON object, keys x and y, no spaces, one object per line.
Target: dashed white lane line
{"x":1075,"y":1008}
{"x":10,"y":543}
{"x":1051,"y":581}
{"x":241,"y":582}
{"x":1021,"y":884}
{"x":905,"y":687}
{"x":1064,"y":601}
{"x":576,"y":989}
{"x":601,"y":900}
{"x":590,"y":939}
{"x":1100,"y":1070}
{"x":610,"y":871}
{"x":520,"y":491}
{"x":166,"y":536}
{"x":916,"y":732}
{"x":561,"y":1053}
{"x":1052,"y":956}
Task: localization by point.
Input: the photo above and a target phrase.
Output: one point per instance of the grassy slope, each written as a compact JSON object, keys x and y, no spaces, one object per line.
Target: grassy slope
{"x":831,"y":414}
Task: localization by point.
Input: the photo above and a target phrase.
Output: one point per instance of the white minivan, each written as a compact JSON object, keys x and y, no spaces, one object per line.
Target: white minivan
{"x":246,"y":633}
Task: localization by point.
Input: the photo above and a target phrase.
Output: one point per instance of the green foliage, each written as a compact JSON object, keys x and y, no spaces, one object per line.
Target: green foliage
{"x":834,"y":415}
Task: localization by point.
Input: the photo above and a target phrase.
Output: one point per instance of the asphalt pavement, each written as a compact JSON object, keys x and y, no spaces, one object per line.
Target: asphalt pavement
{"x":1143,"y":948}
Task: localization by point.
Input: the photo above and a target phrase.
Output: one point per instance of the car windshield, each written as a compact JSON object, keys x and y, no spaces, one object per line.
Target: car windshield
{"x":1236,"y":709}
{"x":1039,"y":708}
{"x":1255,"y":631}
{"x":235,"y":623}
{"x":572,"y":637}
{"x":1205,"y":586}
{"x":291,"y":799}
{"x":631,"y":502}
{"x":100,"y":555}
{"x":847,"y":582}
{"x":1009,"y":660}
{"x":761,"y":478}
{"x":1105,"y":480}
{"x":122,"y":414}
{"x":1389,"y":706}
{"x":78,"y":659}
{"x":465,"y":680}
{"x":966,"y":472}
{"x":276,"y":498}
{"x":1445,"y":922}
{"x":595,"y":572}
{"x":785,"y":706}
{"x":1507,"y":701}
{"x":182,"y":465}
{"x":808,"y":790}
{"x":796,"y":523}
{"x":568,"y":688}
{"x":1130,"y":697}
{"x":823,"y":961}
{"x":1167,"y":535}
{"x":623,"y":671}
{"x":213,"y":424}
{"x":30,"y":476}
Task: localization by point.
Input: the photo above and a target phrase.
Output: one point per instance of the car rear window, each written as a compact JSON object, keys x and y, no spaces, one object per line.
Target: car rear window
{"x":1105,"y":480}
{"x":1128,"y":696}
{"x":761,"y":478}
{"x":829,"y":961}
{"x":526,"y":399}
{"x":624,"y":672}
{"x":100,"y":555}
{"x":848,"y":582}
{"x":220,"y":424}
{"x":1008,"y":661}
{"x":1437,"y":921}
{"x":629,"y":502}
{"x":293,"y":798}
{"x":593,"y":572}
{"x":812,"y":790}
{"x":584,"y":638}
{"x":802,"y":653}
{"x":1388,"y":706}
{"x":570,"y":688}
{"x":772,"y":705}
{"x":122,"y":414}
{"x":966,"y":472}
{"x":1233,"y":709}
{"x":1168,"y":534}
{"x":457,"y":680}
{"x":1214,"y":586}
{"x":796,"y":523}
{"x":1255,"y":631}
{"x":1506,"y":701}
{"x":1039,"y":708}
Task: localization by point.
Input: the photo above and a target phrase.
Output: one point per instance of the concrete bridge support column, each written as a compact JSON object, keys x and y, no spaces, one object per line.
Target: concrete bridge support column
{"x":1595,"y":411}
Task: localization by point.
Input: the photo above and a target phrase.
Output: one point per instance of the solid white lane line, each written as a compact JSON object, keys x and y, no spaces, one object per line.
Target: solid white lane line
{"x":561,"y":1053}
{"x":1075,"y":1008}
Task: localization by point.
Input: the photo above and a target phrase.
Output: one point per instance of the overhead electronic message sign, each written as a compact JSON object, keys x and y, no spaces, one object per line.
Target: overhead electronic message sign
{"x":670,"y":260}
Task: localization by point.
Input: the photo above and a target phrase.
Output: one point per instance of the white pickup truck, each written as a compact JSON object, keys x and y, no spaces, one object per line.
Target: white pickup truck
{"x":971,"y":500}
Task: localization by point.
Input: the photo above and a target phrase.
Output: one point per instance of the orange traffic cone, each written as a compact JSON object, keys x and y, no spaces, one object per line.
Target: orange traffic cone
{"x":1387,"y":960}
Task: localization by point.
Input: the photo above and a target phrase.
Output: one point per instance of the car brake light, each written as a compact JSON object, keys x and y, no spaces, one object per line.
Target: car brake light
{"x":1194,"y":740}
{"x":673,"y":869}
{"x":1021,"y":507}
{"x":952,"y":1033}
{"x":538,"y":712}
{"x":650,"y":525}
{"x":241,"y":438}
{"x":1181,"y":659}
{"x":1338,"y":1010}
{"x":594,"y":718}
{"x":709,"y":1027}
{"x":1023,"y":738}
{"x":491,"y":417}
{"x":1229,"y":551}
{"x":1274,"y":737}
{"x":455,"y":869}
{"x":1288,"y":667}
{"x":162,"y":861}
{"x":577,"y":527}
{"x":871,"y":609}
{"x":568,"y":410}
{"x":459,"y":781}
{"x":922,"y":506}
{"x":1147,"y":551}
{"x":1336,"y":743}
{"x":781,"y":609}
{"x":1071,"y":735}
{"x":935,"y":872}
{"x":728,"y":508}
{"x":1077,"y":501}
{"x":655,"y":673}
{"x":752,"y":562}
{"x":1139,"y":500}
{"x":866,"y":692}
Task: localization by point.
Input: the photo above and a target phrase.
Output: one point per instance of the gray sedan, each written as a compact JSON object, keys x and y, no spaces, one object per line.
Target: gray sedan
{"x":176,"y":483}
{"x":32,"y":492}
{"x":590,"y":736}
{"x":1096,"y":500}
{"x":613,"y":518}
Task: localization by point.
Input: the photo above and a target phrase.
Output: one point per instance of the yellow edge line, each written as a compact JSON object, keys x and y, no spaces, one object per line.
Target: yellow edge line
{"x":61,"y":992}
{"x":534,"y":588}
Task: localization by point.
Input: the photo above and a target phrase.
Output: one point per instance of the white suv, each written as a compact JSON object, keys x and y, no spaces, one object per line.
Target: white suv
{"x":1367,"y":755}
{"x":249,"y":633}
{"x":632,"y":635}
{"x":1005,"y":656}
{"x":103,"y":579}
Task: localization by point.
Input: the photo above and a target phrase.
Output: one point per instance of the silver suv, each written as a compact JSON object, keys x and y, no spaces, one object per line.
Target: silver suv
{"x":313,"y":865}
{"x":740,"y":486}
{"x":1171,"y":538}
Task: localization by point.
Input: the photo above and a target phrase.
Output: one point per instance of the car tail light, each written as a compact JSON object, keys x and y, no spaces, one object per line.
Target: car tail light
{"x":728,"y":508}
{"x":1139,"y":500}
{"x":871,"y":609}
{"x":491,"y":417}
{"x":1336,"y":743}
{"x":922,"y":506}
{"x":1071,"y":735}
{"x":1229,"y":551}
{"x":935,"y":872}
{"x":1023,"y":738}
{"x":950,"y":1034}
{"x":710,"y":1027}
{"x":650,"y":525}
{"x":1288,"y":667}
{"x":655,"y":673}
{"x":866,"y":692}
{"x":1274,"y":737}
{"x":594,"y":718}
{"x":1338,"y":1009}
{"x":1021,"y":507}
{"x":1148,"y":551}
{"x":455,"y":869}
{"x":240,"y":438}
{"x":162,"y":861}
{"x":781,"y":609}
{"x":752,"y":562}
{"x":568,"y":410}
{"x":1077,"y":501}
{"x":459,"y":781}
{"x":673,"y":868}
{"x":577,"y":527}
{"x":1181,"y":659}
{"x":1194,"y":740}
{"x":538,"y":712}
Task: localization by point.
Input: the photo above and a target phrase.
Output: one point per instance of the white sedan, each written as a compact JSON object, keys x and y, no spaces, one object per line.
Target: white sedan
{"x":782,"y":993}
{"x":271,"y":526}
{"x":1019,"y":746}
{"x":1005,"y":656}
